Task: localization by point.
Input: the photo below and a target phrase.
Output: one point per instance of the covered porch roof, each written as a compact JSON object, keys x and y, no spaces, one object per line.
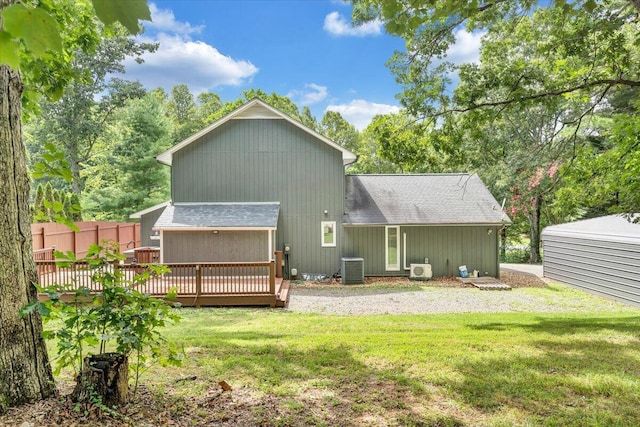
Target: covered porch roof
{"x":227,"y":216}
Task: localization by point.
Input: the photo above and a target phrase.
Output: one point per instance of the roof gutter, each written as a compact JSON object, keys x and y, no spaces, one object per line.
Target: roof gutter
{"x":390,"y":224}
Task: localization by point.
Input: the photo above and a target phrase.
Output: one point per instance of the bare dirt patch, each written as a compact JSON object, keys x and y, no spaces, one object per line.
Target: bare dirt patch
{"x":522,"y":280}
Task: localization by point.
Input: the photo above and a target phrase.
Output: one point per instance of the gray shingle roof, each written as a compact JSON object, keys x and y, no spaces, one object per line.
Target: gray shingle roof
{"x":211,"y":215}
{"x":611,"y":228}
{"x":420,"y":199}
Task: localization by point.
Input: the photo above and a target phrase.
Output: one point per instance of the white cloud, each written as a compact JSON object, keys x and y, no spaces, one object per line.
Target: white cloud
{"x":359,"y":112}
{"x":195,"y":63}
{"x":312,"y":94}
{"x":179,"y":59}
{"x":466,"y":48}
{"x":337,"y":25}
{"x":163,"y":20}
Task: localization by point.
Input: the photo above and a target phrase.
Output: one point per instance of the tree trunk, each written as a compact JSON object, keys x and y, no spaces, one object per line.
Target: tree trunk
{"x":25,"y":373}
{"x":74,"y":165}
{"x":105,"y":377}
{"x":534,"y":230}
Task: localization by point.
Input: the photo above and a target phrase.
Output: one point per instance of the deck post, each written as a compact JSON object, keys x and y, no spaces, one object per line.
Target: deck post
{"x":198,"y":284}
{"x":272,"y":277}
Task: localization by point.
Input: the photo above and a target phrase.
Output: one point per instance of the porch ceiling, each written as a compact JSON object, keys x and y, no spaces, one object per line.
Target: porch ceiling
{"x":219,"y":215}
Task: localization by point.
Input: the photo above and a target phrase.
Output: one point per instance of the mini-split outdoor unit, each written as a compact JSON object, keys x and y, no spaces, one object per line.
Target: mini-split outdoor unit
{"x":420,"y":271}
{"x":352,"y":271}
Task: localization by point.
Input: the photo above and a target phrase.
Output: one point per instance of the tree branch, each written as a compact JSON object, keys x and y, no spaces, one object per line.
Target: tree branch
{"x":602,"y":82}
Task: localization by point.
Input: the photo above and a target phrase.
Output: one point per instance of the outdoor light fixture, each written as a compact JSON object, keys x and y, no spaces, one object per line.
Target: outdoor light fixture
{"x":326,"y":212}
{"x":489,"y":231}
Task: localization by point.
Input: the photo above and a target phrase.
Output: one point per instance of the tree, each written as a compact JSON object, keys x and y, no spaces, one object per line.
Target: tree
{"x":412,"y":146}
{"x":593,"y":43}
{"x":308,"y":119}
{"x":402,"y":141}
{"x":25,"y":374}
{"x":340,"y":131}
{"x":519,"y":147}
{"x":585,"y":50}
{"x":183,"y":112}
{"x":543,"y":73}
{"x":126,"y":177}
{"x":29,"y":34}
{"x":369,"y":160}
{"x":209,"y":104}
{"x":603,"y":177}
{"x":77,"y":120}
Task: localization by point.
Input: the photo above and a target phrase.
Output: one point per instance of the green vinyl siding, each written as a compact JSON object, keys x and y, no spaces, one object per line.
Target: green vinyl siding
{"x":447,"y":247}
{"x":223,"y":246}
{"x":146,"y":227}
{"x":270,"y":160}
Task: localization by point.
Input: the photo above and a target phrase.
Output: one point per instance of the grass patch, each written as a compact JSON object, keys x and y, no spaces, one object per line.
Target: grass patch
{"x":569,"y":369}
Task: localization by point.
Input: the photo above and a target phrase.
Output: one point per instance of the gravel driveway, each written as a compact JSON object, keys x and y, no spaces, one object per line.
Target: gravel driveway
{"x":411,"y":300}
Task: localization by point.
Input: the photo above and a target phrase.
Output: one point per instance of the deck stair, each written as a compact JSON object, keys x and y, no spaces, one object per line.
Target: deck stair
{"x":282,"y":298}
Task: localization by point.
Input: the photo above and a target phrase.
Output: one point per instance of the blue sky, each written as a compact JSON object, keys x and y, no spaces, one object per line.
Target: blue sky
{"x":304,"y":49}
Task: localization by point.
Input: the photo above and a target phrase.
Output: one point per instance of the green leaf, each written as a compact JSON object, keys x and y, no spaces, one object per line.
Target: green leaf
{"x":61,"y":219}
{"x":34,"y":26}
{"x":44,"y":310}
{"x":47,"y":335}
{"x":9,"y":51}
{"x":57,"y":206}
{"x":590,"y":5}
{"x":127,"y":12}
{"x":28,"y":309}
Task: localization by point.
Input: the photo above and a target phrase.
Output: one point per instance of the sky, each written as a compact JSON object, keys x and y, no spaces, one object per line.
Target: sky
{"x":304,"y":49}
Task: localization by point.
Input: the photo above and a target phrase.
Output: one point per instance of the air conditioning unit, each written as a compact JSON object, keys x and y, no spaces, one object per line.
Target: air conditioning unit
{"x":420,"y":272}
{"x":352,"y":271}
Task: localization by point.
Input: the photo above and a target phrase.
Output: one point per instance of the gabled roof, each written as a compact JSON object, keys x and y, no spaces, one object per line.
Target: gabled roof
{"x":430,"y":199}
{"x":610,"y":228}
{"x":254,"y":109}
{"x":139,"y":214}
{"x":198,"y":216}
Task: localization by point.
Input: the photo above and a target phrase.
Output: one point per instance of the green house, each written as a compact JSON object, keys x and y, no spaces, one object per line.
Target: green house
{"x":258,"y":181}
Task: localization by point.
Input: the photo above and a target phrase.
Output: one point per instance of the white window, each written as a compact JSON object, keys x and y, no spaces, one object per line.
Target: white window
{"x":328,"y":236}
{"x":392,"y":248}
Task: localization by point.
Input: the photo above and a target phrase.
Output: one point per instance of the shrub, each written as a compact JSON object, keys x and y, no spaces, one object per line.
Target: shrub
{"x":119,"y":317}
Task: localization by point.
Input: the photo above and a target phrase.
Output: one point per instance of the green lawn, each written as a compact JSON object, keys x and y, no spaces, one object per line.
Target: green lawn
{"x":571,"y":369}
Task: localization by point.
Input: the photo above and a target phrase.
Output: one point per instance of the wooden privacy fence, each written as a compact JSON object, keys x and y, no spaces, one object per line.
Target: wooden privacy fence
{"x":195,"y":283}
{"x":50,"y":234}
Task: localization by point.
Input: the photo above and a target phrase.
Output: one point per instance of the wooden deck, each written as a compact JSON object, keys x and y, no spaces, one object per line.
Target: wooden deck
{"x":196,"y":285}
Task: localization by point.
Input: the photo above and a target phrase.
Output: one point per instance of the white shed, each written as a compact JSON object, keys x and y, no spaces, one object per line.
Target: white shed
{"x":599,"y":255}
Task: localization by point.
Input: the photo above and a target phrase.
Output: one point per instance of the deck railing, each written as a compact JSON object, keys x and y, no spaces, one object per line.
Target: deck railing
{"x":46,"y":254}
{"x":188,"y":279}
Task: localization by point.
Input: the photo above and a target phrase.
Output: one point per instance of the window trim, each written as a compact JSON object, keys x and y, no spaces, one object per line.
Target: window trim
{"x":396,"y":266}
{"x":331,"y":244}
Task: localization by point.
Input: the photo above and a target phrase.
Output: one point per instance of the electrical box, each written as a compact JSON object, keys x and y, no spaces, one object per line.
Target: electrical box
{"x":420,"y":272}
{"x":352,"y":271}
{"x":287,"y":248}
